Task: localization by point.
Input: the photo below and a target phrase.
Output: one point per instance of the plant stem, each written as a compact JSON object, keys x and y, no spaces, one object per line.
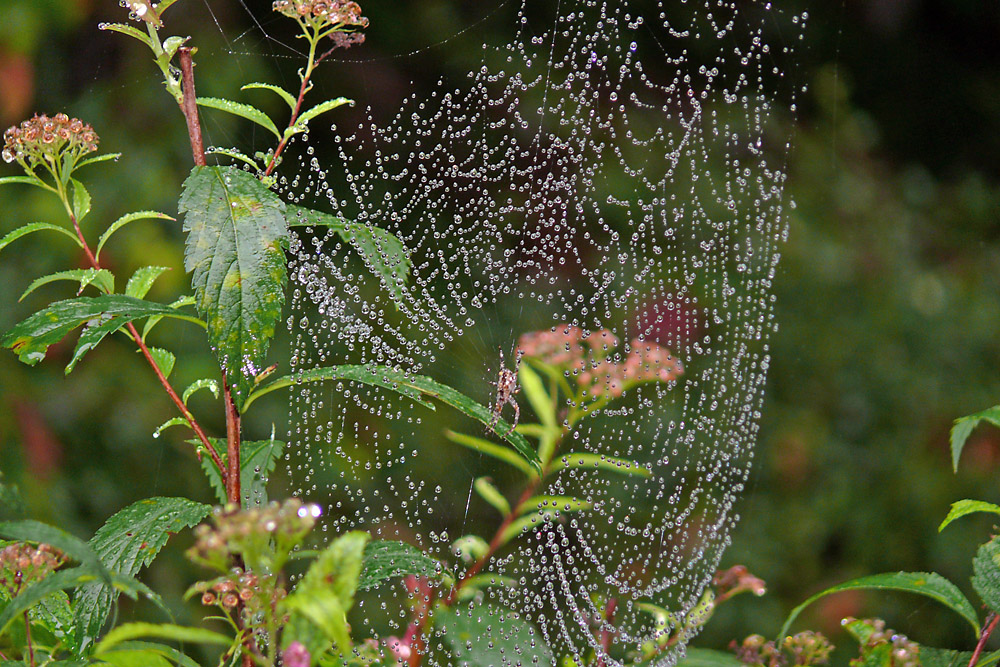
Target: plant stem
{"x":189,"y":106}
{"x":27,"y":636}
{"x":303,"y":89}
{"x":983,"y":636}
{"x":609,"y":618}
{"x":232,"y":446}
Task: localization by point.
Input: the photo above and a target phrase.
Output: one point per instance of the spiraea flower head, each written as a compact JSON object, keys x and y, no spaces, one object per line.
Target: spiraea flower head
{"x":337,"y":19}
{"x":50,"y":140}
{"x":142,"y":10}
{"x":23,"y":564}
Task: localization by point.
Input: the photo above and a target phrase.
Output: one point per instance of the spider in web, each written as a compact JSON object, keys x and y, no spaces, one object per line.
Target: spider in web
{"x":506,"y":389}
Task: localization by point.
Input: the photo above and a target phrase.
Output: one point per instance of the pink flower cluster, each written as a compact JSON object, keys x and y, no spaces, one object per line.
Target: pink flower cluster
{"x":23,"y":564}
{"x":43,"y":138}
{"x":587,"y":358}
{"x":337,"y":13}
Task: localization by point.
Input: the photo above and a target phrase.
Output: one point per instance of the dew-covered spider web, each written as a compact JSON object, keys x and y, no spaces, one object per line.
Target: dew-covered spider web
{"x":599,"y":206}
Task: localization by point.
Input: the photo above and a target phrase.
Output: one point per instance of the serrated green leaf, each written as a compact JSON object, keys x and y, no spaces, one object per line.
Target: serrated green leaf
{"x":127,"y":542}
{"x":963,"y":507}
{"x":964,"y":427}
{"x":385,"y":559}
{"x":285,"y":95}
{"x":81,"y":200}
{"x":413,"y":387}
{"x":36,"y":227}
{"x":554,"y":504}
{"x":97,"y":159}
{"x":322,"y":107}
{"x":601,"y":462}
{"x":492,"y":449}
{"x":325,"y":593}
{"x":142,"y":280}
{"x":124,"y":220}
{"x":383,"y":253}
{"x":235,"y":154}
{"x":490,"y":494}
{"x":928,"y":584}
{"x":939,"y":657}
{"x":204,"y":383}
{"x":161,"y":631}
{"x":102,"y":278}
{"x":128,"y":30}
{"x":164,"y":359}
{"x":258,"y":459}
{"x":235,"y":248}
{"x":986,"y":573}
{"x":54,"y":613}
{"x":488,"y":636}
{"x":243,"y":110}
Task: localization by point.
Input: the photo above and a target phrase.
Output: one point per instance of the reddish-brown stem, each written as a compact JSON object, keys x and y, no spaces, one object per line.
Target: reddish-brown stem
{"x":232,"y":446}
{"x":189,"y":106}
{"x":27,"y":637}
{"x":303,"y":89}
{"x":609,"y":618}
{"x":983,"y":636}
{"x":192,"y":422}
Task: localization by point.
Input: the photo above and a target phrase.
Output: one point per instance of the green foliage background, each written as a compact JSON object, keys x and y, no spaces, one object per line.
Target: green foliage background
{"x":888,"y":296}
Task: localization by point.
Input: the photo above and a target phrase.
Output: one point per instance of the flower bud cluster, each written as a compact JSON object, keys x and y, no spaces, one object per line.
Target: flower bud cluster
{"x":243,"y":588}
{"x":735,"y":580}
{"x":804,"y":649}
{"x":243,"y":532}
{"x":905,"y":653}
{"x":41,"y":138}
{"x":587,"y":358}
{"x":22,"y":564}
{"x":337,"y":14}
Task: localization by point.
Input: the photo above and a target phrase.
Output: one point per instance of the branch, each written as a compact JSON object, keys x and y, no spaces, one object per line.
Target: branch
{"x":189,"y":106}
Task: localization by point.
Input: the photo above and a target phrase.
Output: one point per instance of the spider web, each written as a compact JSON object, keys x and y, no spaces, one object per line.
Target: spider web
{"x":616,"y":170}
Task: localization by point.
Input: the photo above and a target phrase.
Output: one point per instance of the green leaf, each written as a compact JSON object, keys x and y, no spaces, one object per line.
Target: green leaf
{"x":601,"y":462}
{"x":173,"y":421}
{"x":31,"y":338}
{"x":103,"y":278}
{"x":169,"y":652}
{"x":54,"y":613}
{"x":153,"y":321}
{"x":285,"y":95}
{"x":178,"y":633}
{"x":81,"y":200}
{"x":490,"y":494}
{"x":124,"y":220}
{"x":928,"y":584}
{"x":236,"y":235}
{"x":258,"y":459}
{"x":134,"y":658}
{"x":413,"y":387}
{"x":204,"y":383}
{"x":142,"y":280}
{"x":96,"y":159}
{"x":554,"y":504}
{"x":326,"y":592}
{"x":470,"y":547}
{"x":939,"y":657}
{"x":127,"y":542}
{"x":128,"y":30}
{"x":526,"y":523}
{"x":475,"y":584}
{"x":242,"y":110}
{"x":703,"y":657}
{"x":539,"y":398}
{"x":164,"y":359}
{"x":488,"y":636}
{"x":72,"y":546}
{"x":235,"y":154}
{"x":24,"y":180}
{"x":383,"y":253}
{"x":492,"y":449}
{"x":320,"y":108}
{"x":986,"y":573}
{"x":36,"y":227}
{"x":384,"y":559}
{"x":963,"y":428}
{"x":963,"y":507}
{"x":57,"y":581}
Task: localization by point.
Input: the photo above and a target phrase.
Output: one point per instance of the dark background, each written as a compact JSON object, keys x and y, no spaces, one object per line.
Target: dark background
{"x":887,"y":296}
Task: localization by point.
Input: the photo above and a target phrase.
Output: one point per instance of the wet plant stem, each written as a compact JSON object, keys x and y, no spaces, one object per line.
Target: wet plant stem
{"x":303,"y":89}
{"x":983,"y":637}
{"x":27,"y":637}
{"x":606,"y":633}
{"x":189,"y":106}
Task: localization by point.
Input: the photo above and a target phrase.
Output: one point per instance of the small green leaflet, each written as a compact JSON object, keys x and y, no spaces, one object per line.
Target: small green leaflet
{"x":101,"y":278}
{"x":235,"y":249}
{"x":963,"y":507}
{"x":963,"y":428}
{"x":36,"y":227}
{"x":124,"y":220}
{"x":385,"y":559}
{"x":142,"y":280}
{"x":242,"y":110}
{"x":81,"y":200}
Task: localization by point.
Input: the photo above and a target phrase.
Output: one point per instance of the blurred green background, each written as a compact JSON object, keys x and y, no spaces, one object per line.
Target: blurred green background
{"x":887,"y":296}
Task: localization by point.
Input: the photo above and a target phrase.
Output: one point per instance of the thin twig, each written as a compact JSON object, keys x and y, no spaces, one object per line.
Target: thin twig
{"x":983,"y":636}
{"x":27,"y":636}
{"x":232,"y":446}
{"x":189,"y":106}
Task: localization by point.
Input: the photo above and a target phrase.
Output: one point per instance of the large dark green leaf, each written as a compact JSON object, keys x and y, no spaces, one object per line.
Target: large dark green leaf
{"x":31,"y":338}
{"x":127,"y":542}
{"x":385,"y":559}
{"x":414,"y":387}
{"x":963,"y":428}
{"x":488,"y":636}
{"x":986,"y":573}
{"x":257,"y":460}
{"x":383,"y":252}
{"x":928,"y":584}
{"x":235,"y":249}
